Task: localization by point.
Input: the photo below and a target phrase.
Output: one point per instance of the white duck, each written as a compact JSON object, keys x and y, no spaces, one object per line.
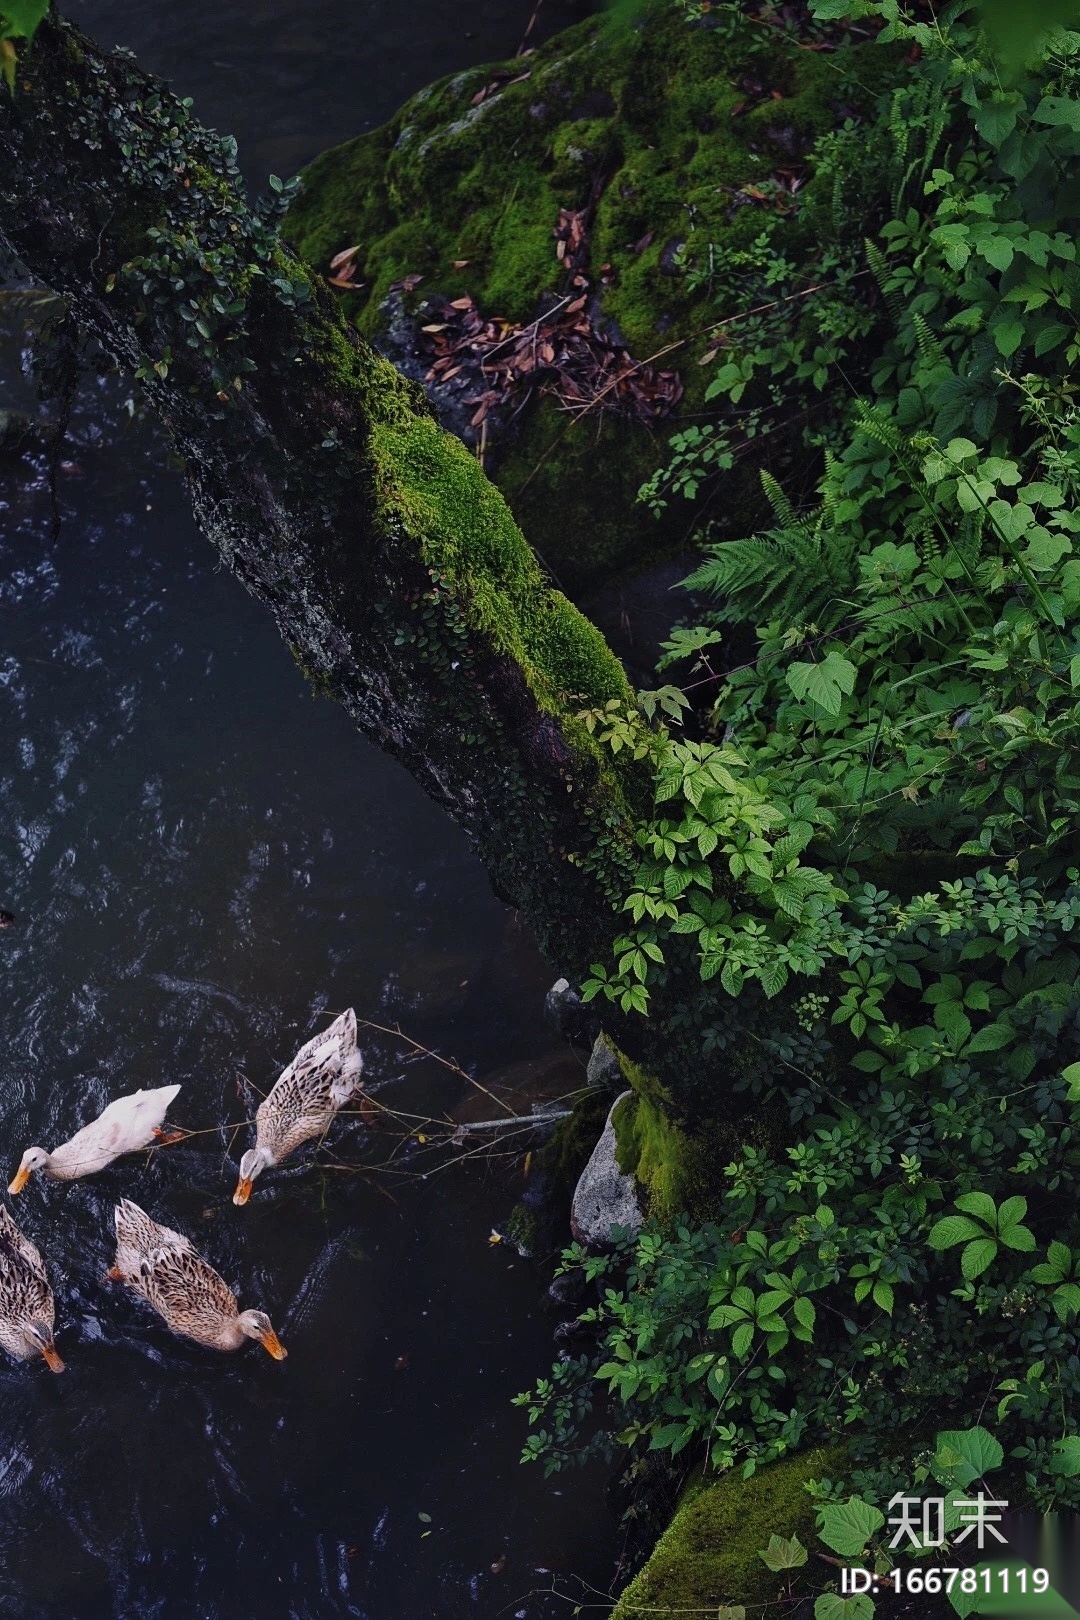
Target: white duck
{"x":126,"y":1125}
{"x":322,"y":1077}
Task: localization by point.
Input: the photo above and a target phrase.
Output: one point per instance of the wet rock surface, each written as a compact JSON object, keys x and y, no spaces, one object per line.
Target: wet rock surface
{"x":605,"y":1198}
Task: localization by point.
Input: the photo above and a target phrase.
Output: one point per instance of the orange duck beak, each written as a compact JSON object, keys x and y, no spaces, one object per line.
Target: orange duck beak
{"x":51,"y":1357}
{"x":243,"y":1191}
{"x":21,"y":1178}
{"x":270,"y":1341}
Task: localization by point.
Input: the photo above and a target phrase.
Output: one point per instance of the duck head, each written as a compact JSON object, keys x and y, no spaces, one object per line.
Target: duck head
{"x":39,"y":1336}
{"x":34,"y":1158}
{"x":254,"y":1162}
{"x":256,"y":1325}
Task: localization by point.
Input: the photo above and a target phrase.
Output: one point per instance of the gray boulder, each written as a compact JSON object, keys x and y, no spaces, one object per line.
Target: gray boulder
{"x":604,"y":1198}
{"x":604,"y":1069}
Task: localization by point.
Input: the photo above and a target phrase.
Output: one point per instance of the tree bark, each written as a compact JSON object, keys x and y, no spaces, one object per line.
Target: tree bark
{"x":391,"y":566}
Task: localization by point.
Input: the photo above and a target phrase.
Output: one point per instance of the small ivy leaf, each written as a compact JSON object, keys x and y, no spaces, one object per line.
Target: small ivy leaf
{"x":784,"y":1553}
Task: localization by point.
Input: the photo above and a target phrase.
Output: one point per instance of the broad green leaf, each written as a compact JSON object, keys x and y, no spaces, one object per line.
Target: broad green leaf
{"x":831,"y":1606}
{"x":1071,"y":1076}
{"x":1008,"y":335}
{"x":1062,"y":111}
{"x":19,"y":19}
{"x":991,"y":1038}
{"x":784,"y":1553}
{"x":846,"y":1527}
{"x":1067,"y":1456}
{"x":978,"y":1255}
{"x":825,"y":683}
{"x":1045,"y":550}
{"x":1020,"y":1238}
{"x":963,"y":1455}
{"x":1011,"y":1211}
{"x":741,"y":1339}
{"x":805,"y":1314}
{"x":953,"y":1229}
{"x":979,"y":1204}
{"x":996,"y":119}
{"x":883,"y":1296}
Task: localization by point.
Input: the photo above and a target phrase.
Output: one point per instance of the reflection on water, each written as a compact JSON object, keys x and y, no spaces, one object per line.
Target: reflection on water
{"x":288,"y":81}
{"x":204,"y":862}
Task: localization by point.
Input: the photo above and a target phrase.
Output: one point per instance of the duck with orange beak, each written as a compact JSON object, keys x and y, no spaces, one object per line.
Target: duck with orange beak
{"x":125,"y":1126}
{"x":321,"y":1079}
{"x":165,"y":1269}
{"x":27,"y":1306}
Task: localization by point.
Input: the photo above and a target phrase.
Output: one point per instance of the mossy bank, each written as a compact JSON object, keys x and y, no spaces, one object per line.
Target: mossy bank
{"x":666,"y":138}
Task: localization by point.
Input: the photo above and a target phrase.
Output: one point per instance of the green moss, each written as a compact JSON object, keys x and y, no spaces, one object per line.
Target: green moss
{"x":470,"y":536}
{"x":636,"y":124}
{"x":708,"y":1555}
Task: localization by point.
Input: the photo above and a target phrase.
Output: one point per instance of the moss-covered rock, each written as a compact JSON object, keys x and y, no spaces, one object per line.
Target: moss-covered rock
{"x":651,"y":133}
{"x":678,"y":1164}
{"x":708,"y":1557}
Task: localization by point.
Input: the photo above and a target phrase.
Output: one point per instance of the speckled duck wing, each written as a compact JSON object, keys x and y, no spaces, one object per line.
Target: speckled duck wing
{"x":16,"y":1248}
{"x":298,"y":1108}
{"x":188,"y":1293}
{"x":25,"y":1295}
{"x":138,"y":1237}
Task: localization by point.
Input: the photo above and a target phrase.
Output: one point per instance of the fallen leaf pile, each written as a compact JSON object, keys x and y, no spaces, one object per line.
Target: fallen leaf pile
{"x":493,"y":362}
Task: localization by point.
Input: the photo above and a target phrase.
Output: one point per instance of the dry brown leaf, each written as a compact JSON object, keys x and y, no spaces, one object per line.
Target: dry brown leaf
{"x":344,"y":256}
{"x":462,"y":303}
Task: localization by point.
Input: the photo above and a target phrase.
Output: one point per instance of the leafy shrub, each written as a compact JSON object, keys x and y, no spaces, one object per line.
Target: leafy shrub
{"x":877,"y":836}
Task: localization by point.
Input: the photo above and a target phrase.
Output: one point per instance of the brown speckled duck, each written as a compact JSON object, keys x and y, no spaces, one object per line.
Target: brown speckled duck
{"x":322,"y":1077}
{"x":183,"y":1288}
{"x":27,"y":1307}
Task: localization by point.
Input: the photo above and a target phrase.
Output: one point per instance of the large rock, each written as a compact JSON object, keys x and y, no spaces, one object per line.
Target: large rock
{"x":610,"y":171}
{"x":604,"y":1069}
{"x":604,"y":1197}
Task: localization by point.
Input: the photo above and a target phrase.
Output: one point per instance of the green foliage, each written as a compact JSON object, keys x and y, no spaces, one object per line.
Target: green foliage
{"x":19,"y":19}
{"x":869,"y":855}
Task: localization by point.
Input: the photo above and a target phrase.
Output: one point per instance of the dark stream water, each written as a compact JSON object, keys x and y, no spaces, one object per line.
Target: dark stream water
{"x":203,"y":859}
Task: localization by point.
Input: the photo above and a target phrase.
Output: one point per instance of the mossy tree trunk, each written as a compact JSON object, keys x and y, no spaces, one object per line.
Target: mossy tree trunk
{"x":391,"y":565}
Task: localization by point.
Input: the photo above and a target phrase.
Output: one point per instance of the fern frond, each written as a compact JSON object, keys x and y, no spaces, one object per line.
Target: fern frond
{"x":879,"y":269}
{"x":785,"y":514}
{"x":799,"y":574}
{"x":878,"y":427}
{"x":929,"y":347}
